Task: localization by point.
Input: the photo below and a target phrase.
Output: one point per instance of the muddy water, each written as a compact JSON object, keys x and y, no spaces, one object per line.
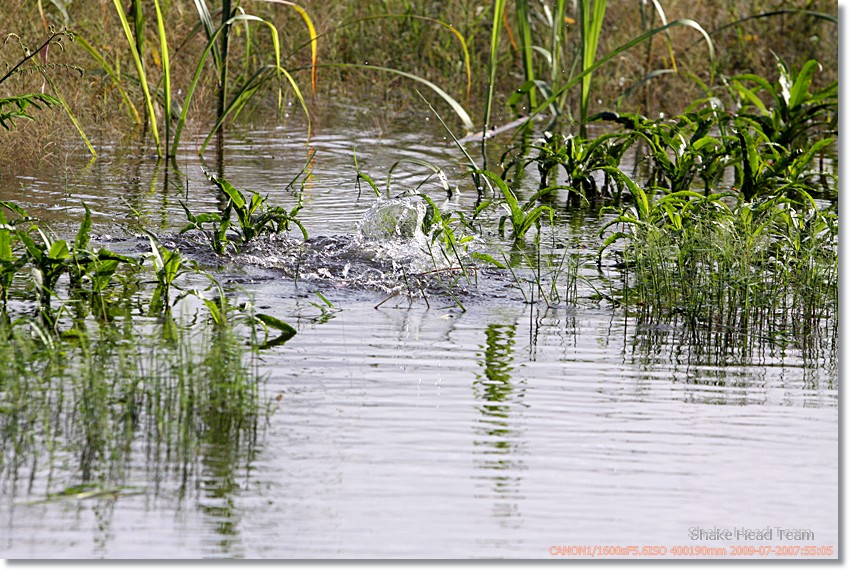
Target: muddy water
{"x":417,"y":430}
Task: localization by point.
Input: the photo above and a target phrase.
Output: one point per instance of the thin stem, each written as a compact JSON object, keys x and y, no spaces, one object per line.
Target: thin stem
{"x":31,"y":55}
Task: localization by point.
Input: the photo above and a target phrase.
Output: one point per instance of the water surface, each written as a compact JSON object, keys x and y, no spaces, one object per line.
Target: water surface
{"x":422,"y":431}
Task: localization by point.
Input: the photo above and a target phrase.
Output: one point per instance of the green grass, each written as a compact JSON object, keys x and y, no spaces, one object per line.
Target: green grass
{"x":766,"y":265}
{"x":82,"y":405}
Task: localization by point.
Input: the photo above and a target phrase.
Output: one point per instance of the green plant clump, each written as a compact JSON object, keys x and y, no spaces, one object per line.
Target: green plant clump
{"x":254,"y":217}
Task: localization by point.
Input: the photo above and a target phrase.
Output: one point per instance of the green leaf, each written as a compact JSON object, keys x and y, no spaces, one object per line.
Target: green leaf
{"x":59,"y":250}
{"x":324,"y":299}
{"x":232,"y":192}
{"x":16,"y":209}
{"x":639,"y":196}
{"x":33,"y":249}
{"x":489,"y":259}
{"x":215,"y":311}
{"x":140,"y":70}
{"x":84,"y":233}
{"x":277,"y":324}
{"x":610,"y":240}
{"x":157,"y":256}
{"x":749,"y":95}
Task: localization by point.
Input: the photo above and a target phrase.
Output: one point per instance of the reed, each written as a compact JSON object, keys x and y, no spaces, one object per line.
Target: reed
{"x":134,"y":43}
{"x":229,"y":102}
{"x":498,"y":16}
{"x":592,"y":15}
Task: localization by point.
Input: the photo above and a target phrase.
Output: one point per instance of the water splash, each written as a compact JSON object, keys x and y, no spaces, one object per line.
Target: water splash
{"x":389,"y":252}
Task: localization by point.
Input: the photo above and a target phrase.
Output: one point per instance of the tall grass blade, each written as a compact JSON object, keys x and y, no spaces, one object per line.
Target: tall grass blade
{"x":166,"y":69}
{"x":498,"y":14}
{"x":140,"y":70}
{"x":616,"y":52}
{"x":558,"y":41}
{"x":526,"y":50}
{"x":210,"y":47}
{"x":110,"y":71}
{"x":314,"y":37}
{"x":476,"y":178}
{"x":226,"y":13}
{"x":138,"y":27}
{"x":444,"y":181}
{"x":209,"y":29}
{"x":660,"y":10}
{"x":241,"y":98}
{"x":592,"y":13}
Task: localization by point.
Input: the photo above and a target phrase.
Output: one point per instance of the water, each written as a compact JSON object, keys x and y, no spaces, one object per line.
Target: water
{"x":418,"y":430}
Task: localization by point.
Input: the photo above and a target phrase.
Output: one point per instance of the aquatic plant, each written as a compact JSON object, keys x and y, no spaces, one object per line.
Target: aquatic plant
{"x":450,"y":229}
{"x":81,"y":404}
{"x":49,"y":259}
{"x":685,"y":147}
{"x":93,"y":270}
{"x":168,"y":266}
{"x":11,"y":262}
{"x":754,"y":263}
{"x":25,"y":244}
{"x":522,"y":217}
{"x":253,"y":215}
{"x":28,"y":250}
{"x":766,"y":168}
{"x":795,"y":114}
{"x":578,"y":157}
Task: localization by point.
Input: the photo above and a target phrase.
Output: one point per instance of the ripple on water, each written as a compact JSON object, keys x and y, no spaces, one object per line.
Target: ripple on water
{"x":415,"y":431}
